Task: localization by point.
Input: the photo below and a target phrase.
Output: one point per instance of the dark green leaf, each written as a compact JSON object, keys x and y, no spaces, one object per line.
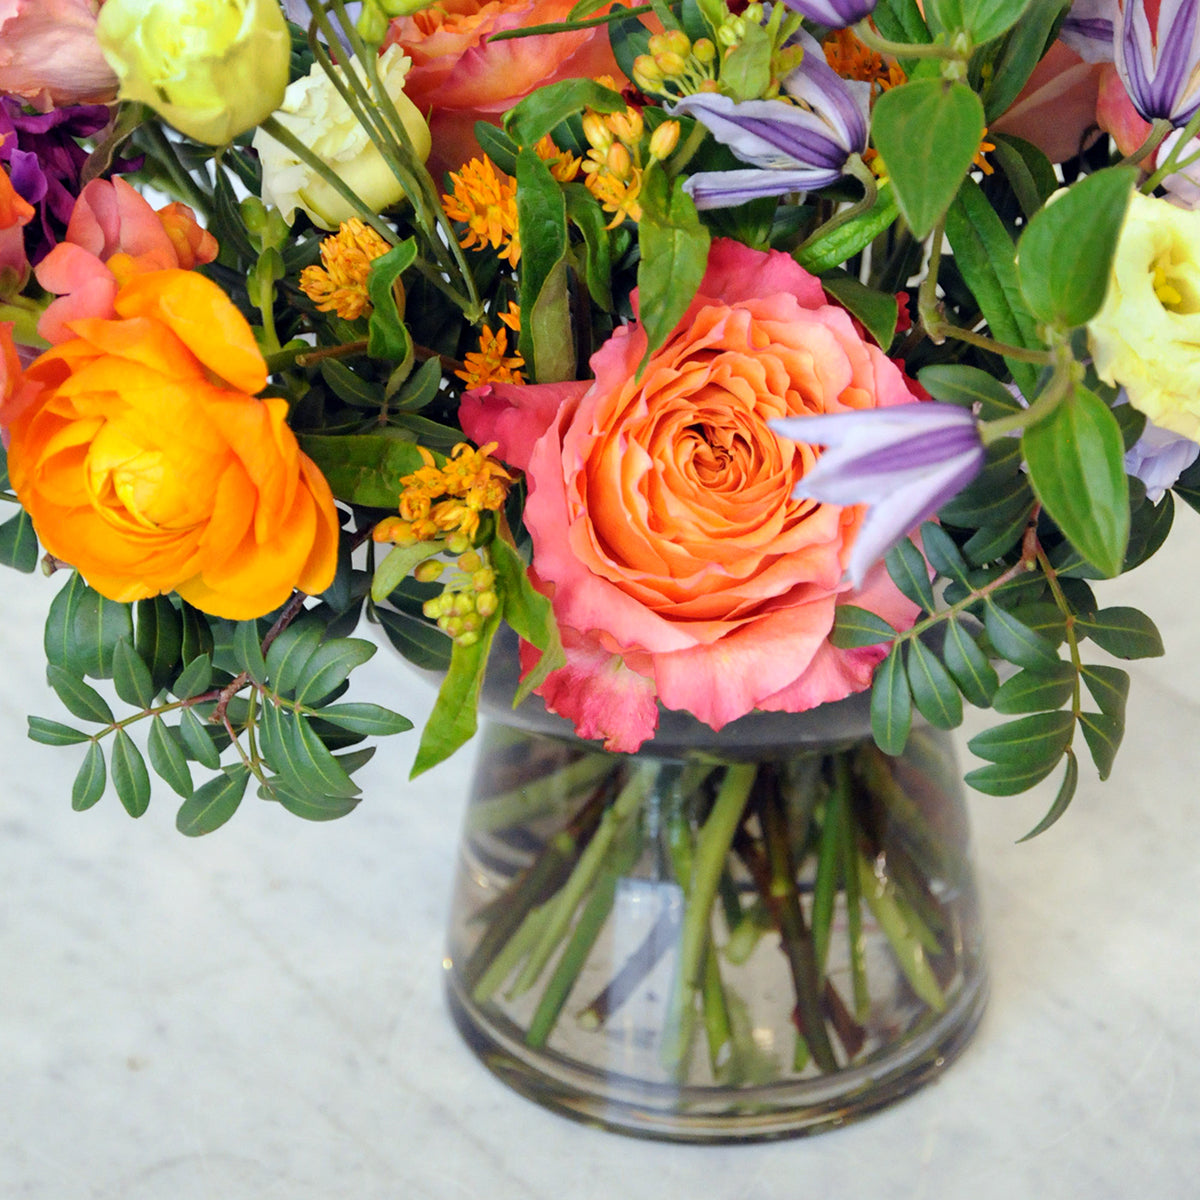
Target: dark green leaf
{"x":1030,"y":173}
{"x":55,"y":733}
{"x":19,"y":544}
{"x":348,"y":386}
{"x":387,"y":336}
{"x":943,"y":553}
{"x":829,"y":250}
{"x":317,"y":764}
{"x":168,"y":759}
{"x":969,"y":666}
{"x":674,"y":247}
{"x":1043,"y":617}
{"x":990,"y":542}
{"x":371,"y":719}
{"x":198,"y":740}
{"x":329,"y":665}
{"x":1103,"y":736}
{"x":83,"y":628}
{"x":1033,"y":741}
{"x":928,"y":132}
{"x":90,"y":780}
{"x":1035,"y":691}
{"x":1026,"y":43}
{"x":529,"y":613}
{"x":1066,"y":793}
{"x":933,"y":690}
{"x":212,"y":804}
{"x":78,"y":697}
{"x":314,"y":807}
{"x":585,"y":213}
{"x":982,"y":20}
{"x":288,"y":654}
{"x":197,"y":635}
{"x":1109,"y":687}
{"x":891,"y":705}
{"x":1076,"y":466}
{"x":1007,"y":779}
{"x":957,"y":383}
{"x":131,"y":677}
{"x":1065,"y":254}
{"x":194,"y":679}
{"x":1123,"y":632}
{"x":497,"y":145}
{"x":901,"y":21}
{"x":910,"y":573}
{"x":878,"y":311}
{"x":423,"y":645}
{"x":247,"y":651}
{"x":549,"y":105}
{"x":364,"y":468}
{"x":1017,"y":642}
{"x":130,"y":777}
{"x":159,"y":638}
{"x":854,"y":627}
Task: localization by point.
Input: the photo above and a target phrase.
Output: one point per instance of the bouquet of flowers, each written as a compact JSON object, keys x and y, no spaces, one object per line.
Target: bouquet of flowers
{"x":737,"y":357}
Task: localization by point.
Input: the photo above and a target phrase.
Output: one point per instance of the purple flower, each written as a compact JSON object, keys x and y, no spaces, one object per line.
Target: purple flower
{"x":1158,"y":458}
{"x":1158,"y":58}
{"x":836,"y":14}
{"x":790,"y":147}
{"x":1088,"y":29}
{"x":905,"y":462}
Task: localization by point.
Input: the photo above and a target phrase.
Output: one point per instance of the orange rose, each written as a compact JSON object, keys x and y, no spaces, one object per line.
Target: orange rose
{"x":458,"y":77}
{"x":142,"y":456}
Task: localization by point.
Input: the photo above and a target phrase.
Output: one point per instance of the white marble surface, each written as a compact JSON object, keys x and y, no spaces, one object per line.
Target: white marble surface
{"x":257,"y":1015}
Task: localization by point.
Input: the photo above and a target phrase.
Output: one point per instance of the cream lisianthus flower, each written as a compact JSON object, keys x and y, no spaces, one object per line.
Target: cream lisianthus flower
{"x":1146,"y":337}
{"x":212,"y":69}
{"x":316,"y":113}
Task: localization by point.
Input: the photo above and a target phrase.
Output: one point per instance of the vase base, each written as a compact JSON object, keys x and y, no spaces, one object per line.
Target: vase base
{"x":715,"y":1114}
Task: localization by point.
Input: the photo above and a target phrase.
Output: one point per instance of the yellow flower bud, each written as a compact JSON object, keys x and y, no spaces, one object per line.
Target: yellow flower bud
{"x":618,"y":161}
{"x":596,"y":131}
{"x":213,"y":70}
{"x":664,"y":140}
{"x":627,"y":126}
{"x":428,"y":571}
{"x":704,"y":51}
{"x":470,"y":562}
{"x":672,"y":65}
{"x":646,"y":73}
{"x":486,"y":603}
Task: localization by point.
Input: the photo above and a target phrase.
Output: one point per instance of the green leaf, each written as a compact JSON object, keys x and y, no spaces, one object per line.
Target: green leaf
{"x":545,"y":108}
{"x":943,"y":553}
{"x":674,"y":248}
{"x":585,"y":213}
{"x":1036,"y":690}
{"x":386,"y":335}
{"x":314,"y":807}
{"x":131,"y":677}
{"x":1123,"y":632}
{"x":1103,"y":736}
{"x":1066,"y":793}
{"x":830,"y":250}
{"x":746,"y":68}
{"x":957,"y":383}
{"x":910,"y":573}
{"x":91,"y":779}
{"x":194,"y":679}
{"x":878,"y":311}
{"x":364,"y":468}
{"x":529,"y":613}
{"x":933,"y":690}
{"x":453,"y":720}
{"x":369,"y":719}
{"x":317,"y":763}
{"x":19,"y":544}
{"x":969,"y":666}
{"x":288,"y":654}
{"x":398,"y":564}
{"x":329,"y":665}
{"x":1030,"y":173}
{"x":198,"y":740}
{"x":212,"y":804}
{"x":168,"y":759}
{"x":986,"y":258}
{"x":159,"y":638}
{"x":1033,"y":741}
{"x":1109,"y":687}
{"x":1076,"y":467}
{"x":545,"y":342}
{"x":83,"y":628}
{"x":196,"y":634}
{"x":990,"y":542}
{"x":130,"y":777}
{"x":982,"y":20}
{"x":55,"y":733}
{"x":1026,"y":43}
{"x":1065,"y":255}
{"x":78,"y":697}
{"x":928,"y":132}
{"x":1007,"y":779}
{"x":497,"y":145}
{"x":1017,"y":642}
{"x":425,"y":646}
{"x":247,"y":651}
{"x":854,"y":627}
{"x":891,"y":705}
{"x":901,"y":21}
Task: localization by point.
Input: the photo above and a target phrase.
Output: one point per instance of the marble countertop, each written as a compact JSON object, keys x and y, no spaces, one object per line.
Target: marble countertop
{"x":257,"y":1015}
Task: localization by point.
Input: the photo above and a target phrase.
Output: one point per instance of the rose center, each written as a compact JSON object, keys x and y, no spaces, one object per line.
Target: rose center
{"x":1176,"y":283}
{"x":715,"y":452}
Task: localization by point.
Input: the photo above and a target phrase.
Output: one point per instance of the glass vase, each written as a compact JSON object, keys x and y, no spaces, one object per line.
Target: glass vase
{"x":742,"y":936}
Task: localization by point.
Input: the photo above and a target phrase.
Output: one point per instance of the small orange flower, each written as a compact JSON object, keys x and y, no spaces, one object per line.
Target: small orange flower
{"x":853,"y":59}
{"x":339,"y":285}
{"x":492,"y":363}
{"x":448,"y":500}
{"x":485,"y":199}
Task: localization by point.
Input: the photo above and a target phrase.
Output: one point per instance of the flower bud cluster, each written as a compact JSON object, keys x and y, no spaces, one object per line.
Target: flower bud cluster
{"x":468,"y":598}
{"x":677,"y":66}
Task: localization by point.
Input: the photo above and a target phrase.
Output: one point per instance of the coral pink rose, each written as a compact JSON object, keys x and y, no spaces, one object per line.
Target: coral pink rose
{"x":458,"y":77}
{"x":114,"y":232}
{"x":681,"y":569}
{"x":49,"y":55}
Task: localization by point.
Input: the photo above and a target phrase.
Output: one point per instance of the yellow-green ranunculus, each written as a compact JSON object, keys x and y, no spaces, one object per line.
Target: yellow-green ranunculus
{"x":1146,"y":337}
{"x":212,"y":68}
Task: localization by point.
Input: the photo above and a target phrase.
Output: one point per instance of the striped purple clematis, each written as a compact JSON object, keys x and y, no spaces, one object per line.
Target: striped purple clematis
{"x":794,"y":145}
{"x":904,"y":462}
{"x":836,"y":14}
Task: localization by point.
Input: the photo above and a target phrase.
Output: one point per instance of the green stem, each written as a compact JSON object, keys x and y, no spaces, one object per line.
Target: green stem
{"x":1171,"y":164}
{"x":829,"y":860}
{"x":859,"y":169}
{"x":855,"y":946}
{"x":506,"y":35}
{"x":1158,"y":130}
{"x":866,"y":34}
{"x":539,"y":796}
{"x":928,"y":312}
{"x":938,"y":330}
{"x":165,"y":154}
{"x":660,"y":939}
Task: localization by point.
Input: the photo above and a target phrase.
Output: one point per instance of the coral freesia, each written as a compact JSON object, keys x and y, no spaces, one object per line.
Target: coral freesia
{"x":459,"y":76}
{"x":661,"y":508}
{"x":144,"y":459}
{"x":49,"y":55}
{"x":114,"y":234}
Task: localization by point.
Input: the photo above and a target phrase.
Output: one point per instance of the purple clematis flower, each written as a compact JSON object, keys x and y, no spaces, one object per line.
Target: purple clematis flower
{"x":1158,"y":458}
{"x":1088,"y":29}
{"x":791,"y":147}
{"x":904,"y":462}
{"x":836,"y":14}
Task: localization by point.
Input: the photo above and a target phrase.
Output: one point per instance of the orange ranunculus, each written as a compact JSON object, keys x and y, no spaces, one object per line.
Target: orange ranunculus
{"x":114,"y":234}
{"x":682,"y":569}
{"x":144,"y":459}
{"x":458,"y":77}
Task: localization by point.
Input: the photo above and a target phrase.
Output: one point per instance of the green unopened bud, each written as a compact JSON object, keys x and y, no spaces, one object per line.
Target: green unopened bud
{"x":372,"y":23}
{"x":451,"y":625}
{"x":646,"y":74}
{"x":672,"y":65}
{"x":728,"y":34}
{"x":467,"y":638}
{"x":664,"y":140}
{"x":458,"y":543}
{"x":483,"y":580}
{"x":704,"y":52}
{"x":486,"y":603}
{"x":428,"y":571}
{"x":753,"y":13}
{"x":471,"y":561}
{"x":255,"y":215}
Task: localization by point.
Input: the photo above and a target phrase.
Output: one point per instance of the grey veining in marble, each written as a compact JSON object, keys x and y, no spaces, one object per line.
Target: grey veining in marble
{"x":257,"y":1015}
